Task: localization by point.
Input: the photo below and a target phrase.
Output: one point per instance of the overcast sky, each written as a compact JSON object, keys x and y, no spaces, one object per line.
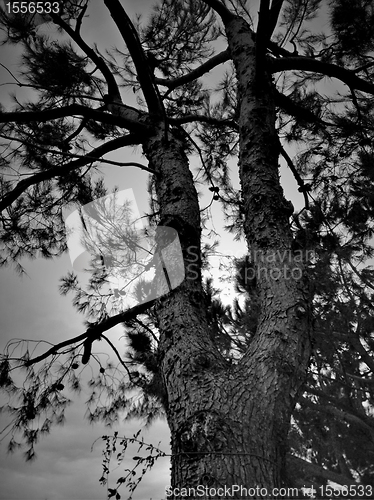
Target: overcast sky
{"x":31,"y":308}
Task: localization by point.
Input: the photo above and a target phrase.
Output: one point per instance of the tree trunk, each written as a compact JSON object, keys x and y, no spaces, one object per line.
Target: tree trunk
{"x":229,"y":422}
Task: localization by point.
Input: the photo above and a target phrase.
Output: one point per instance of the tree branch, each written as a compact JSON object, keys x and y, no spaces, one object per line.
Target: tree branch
{"x":115,"y":350}
{"x":128,"y":118}
{"x":61,"y":170}
{"x":88,"y":157}
{"x":362,"y":278}
{"x":79,"y":20}
{"x":262,"y":37}
{"x":195,"y":73}
{"x":332,"y":70}
{"x":365,"y":356}
{"x":310,"y":470}
{"x":98,"y":60}
{"x":225,"y":14}
{"x":280,"y":51}
{"x":343,"y":415}
{"x":341,"y":407}
{"x":94,"y":331}
{"x":298,"y":178}
{"x":276,"y":6}
{"x":131,"y":39}
{"x":292,"y":108}
{"x":204,"y":119}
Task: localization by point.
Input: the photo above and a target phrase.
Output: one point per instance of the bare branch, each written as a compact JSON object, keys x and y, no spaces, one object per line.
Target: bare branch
{"x":280,"y":51}
{"x":128,"y":118}
{"x":276,"y":6}
{"x":195,"y":73}
{"x":12,"y":75}
{"x":314,"y":65}
{"x":115,"y":350}
{"x":94,"y":331}
{"x":145,"y":75}
{"x":78,"y":23}
{"x":99,"y":61}
{"x":296,"y":174}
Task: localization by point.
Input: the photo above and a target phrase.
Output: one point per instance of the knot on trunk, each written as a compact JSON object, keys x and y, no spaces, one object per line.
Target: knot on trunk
{"x":200,"y":362}
{"x":300,"y":310}
{"x":202,"y":433}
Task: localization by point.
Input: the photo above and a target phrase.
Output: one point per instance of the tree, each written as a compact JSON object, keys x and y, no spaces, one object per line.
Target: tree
{"x":274,"y":393}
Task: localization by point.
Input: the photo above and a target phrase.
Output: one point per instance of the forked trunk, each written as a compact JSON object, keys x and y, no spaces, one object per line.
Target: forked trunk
{"x":229,"y":422}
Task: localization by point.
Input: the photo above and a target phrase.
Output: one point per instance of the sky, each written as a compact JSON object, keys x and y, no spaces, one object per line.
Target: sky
{"x":31,"y":308}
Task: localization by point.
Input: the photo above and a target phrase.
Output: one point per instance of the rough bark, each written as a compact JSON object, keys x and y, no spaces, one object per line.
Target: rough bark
{"x":229,"y":423}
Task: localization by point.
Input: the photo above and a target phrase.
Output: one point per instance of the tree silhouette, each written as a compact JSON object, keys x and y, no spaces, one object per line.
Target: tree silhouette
{"x":277,"y":389}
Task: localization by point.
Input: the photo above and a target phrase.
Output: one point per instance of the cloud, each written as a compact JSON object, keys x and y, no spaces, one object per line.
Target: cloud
{"x":69,"y":463}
